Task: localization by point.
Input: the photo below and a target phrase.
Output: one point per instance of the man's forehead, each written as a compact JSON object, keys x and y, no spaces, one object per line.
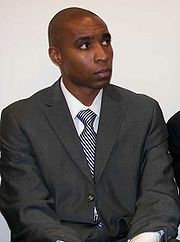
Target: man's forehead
{"x":86,"y":26}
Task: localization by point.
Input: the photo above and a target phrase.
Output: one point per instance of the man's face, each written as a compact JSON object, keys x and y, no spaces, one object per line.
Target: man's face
{"x":86,"y":54}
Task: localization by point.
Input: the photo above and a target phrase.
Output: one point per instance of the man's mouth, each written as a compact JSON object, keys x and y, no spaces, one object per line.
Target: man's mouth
{"x":106,"y":72}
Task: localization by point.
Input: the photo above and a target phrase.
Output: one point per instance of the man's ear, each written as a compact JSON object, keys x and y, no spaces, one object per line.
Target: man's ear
{"x":55,"y":56}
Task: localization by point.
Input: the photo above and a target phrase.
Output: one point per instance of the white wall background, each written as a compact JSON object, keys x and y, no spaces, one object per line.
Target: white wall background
{"x":146,"y":41}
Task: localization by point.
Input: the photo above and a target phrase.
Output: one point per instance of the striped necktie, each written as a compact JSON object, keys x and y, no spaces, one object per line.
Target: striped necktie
{"x":88,"y":143}
{"x":88,"y":137}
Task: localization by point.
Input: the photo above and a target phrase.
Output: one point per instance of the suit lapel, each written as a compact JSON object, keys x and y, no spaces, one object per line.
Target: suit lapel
{"x":61,"y":121}
{"x":112,"y":112}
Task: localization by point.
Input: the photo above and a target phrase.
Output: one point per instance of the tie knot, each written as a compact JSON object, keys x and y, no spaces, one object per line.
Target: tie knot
{"x":87,"y":116}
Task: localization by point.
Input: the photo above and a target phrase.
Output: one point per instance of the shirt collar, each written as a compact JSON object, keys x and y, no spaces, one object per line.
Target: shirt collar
{"x":75,"y":105}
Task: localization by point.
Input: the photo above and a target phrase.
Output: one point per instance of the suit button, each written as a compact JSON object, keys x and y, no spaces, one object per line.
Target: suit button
{"x":91,"y":197}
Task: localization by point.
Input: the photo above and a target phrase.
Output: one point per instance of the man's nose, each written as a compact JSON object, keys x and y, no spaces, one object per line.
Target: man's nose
{"x":101,"y":54}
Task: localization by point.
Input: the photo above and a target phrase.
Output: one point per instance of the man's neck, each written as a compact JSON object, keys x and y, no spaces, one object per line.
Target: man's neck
{"x":84,"y":94}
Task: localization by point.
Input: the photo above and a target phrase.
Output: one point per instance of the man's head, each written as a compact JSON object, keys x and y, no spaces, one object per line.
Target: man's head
{"x":80,"y":44}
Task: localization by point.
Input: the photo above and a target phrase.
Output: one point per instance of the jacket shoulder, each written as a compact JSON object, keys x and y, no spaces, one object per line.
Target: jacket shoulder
{"x":31,"y":102}
{"x":131,"y":98}
{"x":175,"y":119}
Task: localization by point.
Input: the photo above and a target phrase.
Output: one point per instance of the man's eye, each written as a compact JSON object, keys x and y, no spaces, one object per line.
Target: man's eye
{"x":106,"y":42}
{"x":85,"y":46}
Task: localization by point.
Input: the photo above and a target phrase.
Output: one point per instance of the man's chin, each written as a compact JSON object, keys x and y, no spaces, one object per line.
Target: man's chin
{"x":103,"y":83}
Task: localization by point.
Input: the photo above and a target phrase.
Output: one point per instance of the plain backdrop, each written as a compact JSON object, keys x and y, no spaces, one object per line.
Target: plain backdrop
{"x":145,"y":38}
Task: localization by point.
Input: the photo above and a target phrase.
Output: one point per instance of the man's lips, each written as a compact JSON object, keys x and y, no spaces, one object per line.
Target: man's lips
{"x":104,"y":72}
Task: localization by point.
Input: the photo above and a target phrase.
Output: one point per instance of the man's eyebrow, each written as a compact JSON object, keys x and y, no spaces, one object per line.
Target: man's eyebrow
{"x":106,"y":36}
{"x":83,"y":39}
{"x":90,"y":38}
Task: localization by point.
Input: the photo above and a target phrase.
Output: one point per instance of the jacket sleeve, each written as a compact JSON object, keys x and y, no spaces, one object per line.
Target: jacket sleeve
{"x":157,"y":204}
{"x":25,"y":200}
{"x":174,"y":143}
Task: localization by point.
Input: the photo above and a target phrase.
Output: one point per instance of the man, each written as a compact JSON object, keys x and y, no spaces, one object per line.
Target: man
{"x":174,"y":143}
{"x":84,"y":160}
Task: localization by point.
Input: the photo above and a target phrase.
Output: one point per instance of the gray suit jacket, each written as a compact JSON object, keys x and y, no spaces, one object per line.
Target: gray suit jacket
{"x":46,"y":192}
